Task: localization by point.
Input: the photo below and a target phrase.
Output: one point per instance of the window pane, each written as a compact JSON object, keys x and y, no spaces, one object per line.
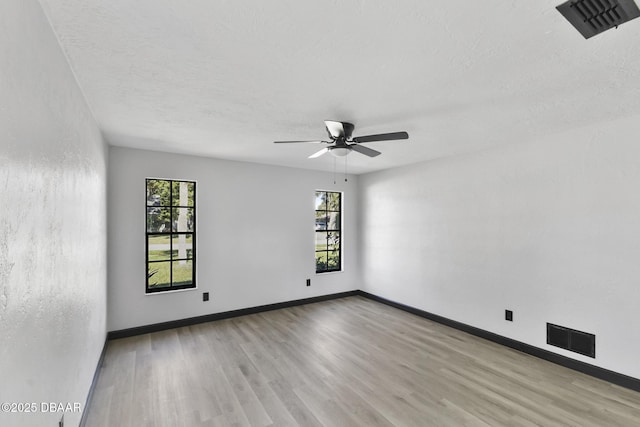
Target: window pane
{"x":158,"y":220}
{"x":159,"y":275}
{"x":333,"y":201}
{"x":183,"y":193}
{"x":157,"y":192}
{"x":333,"y":241}
{"x":321,"y":220}
{"x":182,"y":220}
{"x":158,"y":247}
{"x":320,"y":200}
{"x":182,"y":246}
{"x":333,"y":221}
{"x":321,"y":241}
{"x":333,"y":262}
{"x":182,"y":273}
{"x":321,"y":261}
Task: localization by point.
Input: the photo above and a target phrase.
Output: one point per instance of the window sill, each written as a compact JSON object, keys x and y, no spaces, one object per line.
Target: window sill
{"x":171,"y":291}
{"x":329,"y":272}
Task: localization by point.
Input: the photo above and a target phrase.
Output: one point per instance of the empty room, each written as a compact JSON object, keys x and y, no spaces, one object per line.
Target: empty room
{"x":319,"y":213}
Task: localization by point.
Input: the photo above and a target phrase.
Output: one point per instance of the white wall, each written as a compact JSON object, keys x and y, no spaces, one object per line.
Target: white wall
{"x":549,"y":229}
{"x":255,"y":236}
{"x":52,"y":223}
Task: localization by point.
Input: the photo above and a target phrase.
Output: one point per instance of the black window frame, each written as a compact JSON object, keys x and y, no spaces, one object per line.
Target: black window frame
{"x":325,"y":213}
{"x":171,"y":234}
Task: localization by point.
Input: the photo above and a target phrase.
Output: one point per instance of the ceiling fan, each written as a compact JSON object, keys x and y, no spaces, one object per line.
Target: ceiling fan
{"x":342,"y":143}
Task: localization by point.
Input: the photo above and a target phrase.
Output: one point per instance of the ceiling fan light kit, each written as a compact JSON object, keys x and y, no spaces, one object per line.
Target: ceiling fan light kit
{"x":340,"y":151}
{"x":342,"y":143}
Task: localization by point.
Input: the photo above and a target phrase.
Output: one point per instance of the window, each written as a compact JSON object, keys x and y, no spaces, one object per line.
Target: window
{"x":171,"y":235}
{"x":328,"y":231}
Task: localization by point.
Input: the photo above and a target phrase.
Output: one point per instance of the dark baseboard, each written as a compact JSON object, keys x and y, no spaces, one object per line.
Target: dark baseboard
{"x":94,"y":381}
{"x":156,"y":327}
{"x":594,"y":371}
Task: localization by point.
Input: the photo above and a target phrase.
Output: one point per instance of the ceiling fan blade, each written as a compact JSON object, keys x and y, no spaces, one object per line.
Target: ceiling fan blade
{"x":339,"y":129}
{"x":381,"y":137}
{"x":318,"y":153}
{"x":334,"y":129}
{"x":295,"y":142}
{"x":364,"y":150}
{"x":348,"y":130}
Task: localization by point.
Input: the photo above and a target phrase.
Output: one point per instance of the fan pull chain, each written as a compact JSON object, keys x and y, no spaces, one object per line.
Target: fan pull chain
{"x":334,"y":171}
{"x":345,"y":168}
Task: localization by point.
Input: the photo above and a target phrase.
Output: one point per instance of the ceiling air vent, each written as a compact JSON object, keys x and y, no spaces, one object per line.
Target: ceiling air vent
{"x":591,"y":17}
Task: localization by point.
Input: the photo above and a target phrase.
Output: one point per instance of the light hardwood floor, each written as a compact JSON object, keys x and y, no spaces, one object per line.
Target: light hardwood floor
{"x":344,"y":362}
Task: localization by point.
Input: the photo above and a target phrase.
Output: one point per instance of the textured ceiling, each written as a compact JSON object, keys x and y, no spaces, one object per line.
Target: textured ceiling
{"x":225,"y":78}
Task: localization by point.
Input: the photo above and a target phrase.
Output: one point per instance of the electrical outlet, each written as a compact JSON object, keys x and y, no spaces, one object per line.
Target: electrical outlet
{"x":205,"y":296}
{"x":308,"y":282}
{"x":508,"y":315}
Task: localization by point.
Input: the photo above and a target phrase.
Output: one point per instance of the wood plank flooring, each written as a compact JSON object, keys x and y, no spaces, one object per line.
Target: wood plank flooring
{"x":344,"y":362}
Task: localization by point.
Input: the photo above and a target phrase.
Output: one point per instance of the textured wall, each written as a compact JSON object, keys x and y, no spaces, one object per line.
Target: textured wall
{"x":255,"y":236}
{"x":548,"y":229}
{"x":52,"y":223}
